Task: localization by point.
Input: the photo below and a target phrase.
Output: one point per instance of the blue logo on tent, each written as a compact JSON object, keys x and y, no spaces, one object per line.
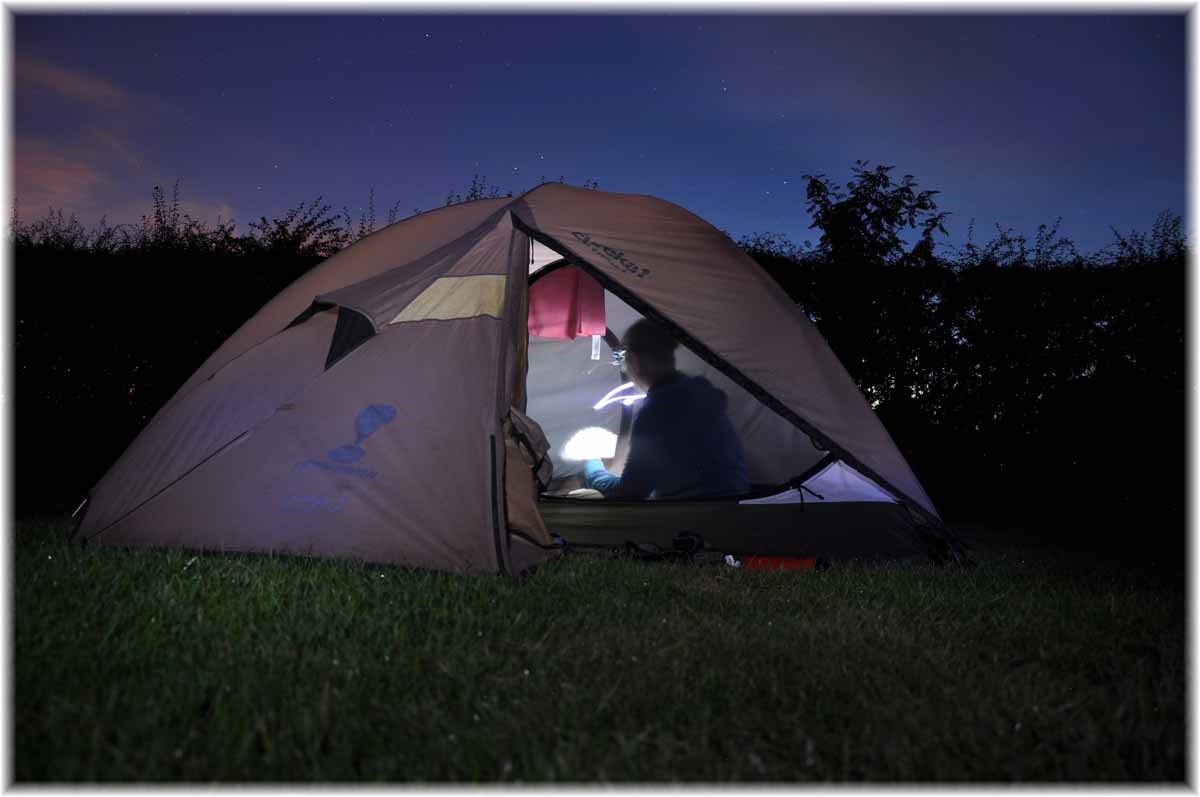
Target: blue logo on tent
{"x":312,"y":502}
{"x":347,"y":454}
{"x":366,"y":423}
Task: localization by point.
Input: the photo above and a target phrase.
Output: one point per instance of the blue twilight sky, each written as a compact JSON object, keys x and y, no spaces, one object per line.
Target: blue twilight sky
{"x":1017,"y":119}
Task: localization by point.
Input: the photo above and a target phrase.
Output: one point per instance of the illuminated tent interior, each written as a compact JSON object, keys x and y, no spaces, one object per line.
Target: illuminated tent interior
{"x":418,"y":399}
{"x":574,"y":390}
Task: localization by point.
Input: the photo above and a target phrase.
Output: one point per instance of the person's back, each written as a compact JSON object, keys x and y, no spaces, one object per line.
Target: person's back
{"x":682,"y":444}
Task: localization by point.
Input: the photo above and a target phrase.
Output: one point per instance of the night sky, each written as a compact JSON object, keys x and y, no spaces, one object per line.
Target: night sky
{"x":1015,"y":119}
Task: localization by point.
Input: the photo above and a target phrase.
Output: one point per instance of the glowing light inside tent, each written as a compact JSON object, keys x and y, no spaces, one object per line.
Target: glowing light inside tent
{"x":590,"y":443}
{"x":611,"y":397}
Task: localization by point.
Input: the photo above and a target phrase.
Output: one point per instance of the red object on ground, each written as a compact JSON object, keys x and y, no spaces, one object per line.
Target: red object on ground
{"x":778,"y":563}
{"x":565,"y":304}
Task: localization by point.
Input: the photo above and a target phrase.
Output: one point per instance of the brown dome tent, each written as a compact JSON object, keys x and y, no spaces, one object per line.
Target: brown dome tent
{"x":391,"y":404}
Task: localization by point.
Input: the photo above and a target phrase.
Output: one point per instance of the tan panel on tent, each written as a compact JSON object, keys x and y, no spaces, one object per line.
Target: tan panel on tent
{"x":486,"y":250}
{"x":702,"y":282}
{"x":456,"y":297}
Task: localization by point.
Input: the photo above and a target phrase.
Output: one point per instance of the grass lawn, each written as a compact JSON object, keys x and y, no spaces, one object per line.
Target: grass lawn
{"x":1040,"y":664}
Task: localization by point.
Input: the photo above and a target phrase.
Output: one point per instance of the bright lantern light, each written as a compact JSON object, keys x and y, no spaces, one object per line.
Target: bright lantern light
{"x":611,"y":397}
{"x":590,"y":443}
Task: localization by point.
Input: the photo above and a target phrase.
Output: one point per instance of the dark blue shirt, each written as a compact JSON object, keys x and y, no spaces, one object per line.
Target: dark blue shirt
{"x":682,"y":445}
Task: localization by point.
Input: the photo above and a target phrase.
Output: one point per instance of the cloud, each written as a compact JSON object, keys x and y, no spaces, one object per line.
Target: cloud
{"x":45,"y":176}
{"x":210,"y":211}
{"x":115,"y":145}
{"x":79,"y":86}
{"x":48,"y":175}
{"x":98,"y":166}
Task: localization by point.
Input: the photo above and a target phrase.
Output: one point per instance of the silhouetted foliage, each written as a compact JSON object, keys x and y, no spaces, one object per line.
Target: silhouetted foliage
{"x":865,"y":225}
{"x":366,"y":219}
{"x":59,"y":233}
{"x":305,"y":231}
{"x":167,"y":228}
{"x":1010,"y":248}
{"x":480,"y":188}
{"x":1165,"y":243}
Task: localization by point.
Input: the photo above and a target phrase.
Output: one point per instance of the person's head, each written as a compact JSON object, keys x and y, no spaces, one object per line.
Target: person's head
{"x":649,"y":353}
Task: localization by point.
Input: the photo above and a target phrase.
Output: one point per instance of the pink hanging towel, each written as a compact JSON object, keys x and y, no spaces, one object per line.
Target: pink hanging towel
{"x":565,"y":304}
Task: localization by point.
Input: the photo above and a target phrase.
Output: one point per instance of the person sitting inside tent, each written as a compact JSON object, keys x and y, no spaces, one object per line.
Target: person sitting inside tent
{"x":682,"y":444}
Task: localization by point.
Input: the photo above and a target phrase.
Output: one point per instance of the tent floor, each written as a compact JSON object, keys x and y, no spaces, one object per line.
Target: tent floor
{"x":843,"y":530}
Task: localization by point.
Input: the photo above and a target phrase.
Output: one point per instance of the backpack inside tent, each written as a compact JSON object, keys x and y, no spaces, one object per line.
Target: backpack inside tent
{"x":419,"y":398}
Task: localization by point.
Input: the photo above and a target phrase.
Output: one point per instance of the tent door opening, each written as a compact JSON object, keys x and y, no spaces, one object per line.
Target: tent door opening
{"x":577,"y":400}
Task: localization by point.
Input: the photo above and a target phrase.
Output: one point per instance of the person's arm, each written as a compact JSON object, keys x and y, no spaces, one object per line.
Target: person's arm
{"x":597,"y":477}
{"x":638,"y":478}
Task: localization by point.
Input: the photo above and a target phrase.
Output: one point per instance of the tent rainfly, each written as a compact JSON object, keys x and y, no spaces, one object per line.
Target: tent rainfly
{"x":410,"y":399}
